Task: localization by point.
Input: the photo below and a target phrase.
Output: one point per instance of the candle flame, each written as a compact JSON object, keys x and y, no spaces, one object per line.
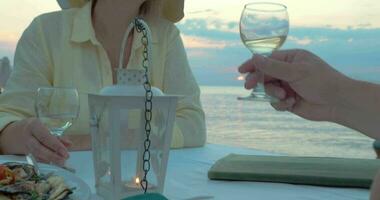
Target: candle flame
{"x":137,"y":180}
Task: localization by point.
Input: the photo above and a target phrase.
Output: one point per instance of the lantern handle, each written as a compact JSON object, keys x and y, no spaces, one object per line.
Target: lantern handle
{"x":131,"y":27}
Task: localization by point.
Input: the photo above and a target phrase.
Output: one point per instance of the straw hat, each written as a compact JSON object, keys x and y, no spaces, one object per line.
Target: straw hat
{"x":172,"y":9}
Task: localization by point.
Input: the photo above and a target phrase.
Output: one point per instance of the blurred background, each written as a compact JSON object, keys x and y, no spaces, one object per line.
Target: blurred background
{"x":346,"y":33}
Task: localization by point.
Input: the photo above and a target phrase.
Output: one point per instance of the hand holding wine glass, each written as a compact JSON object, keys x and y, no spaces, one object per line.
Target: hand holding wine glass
{"x":263,"y":29}
{"x":31,"y":136}
{"x":56,"y":108}
{"x":302,"y":82}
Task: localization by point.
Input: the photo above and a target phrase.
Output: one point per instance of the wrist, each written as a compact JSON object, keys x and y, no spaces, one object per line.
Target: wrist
{"x":342,"y":99}
{"x":4,"y":134}
{"x":356,"y":106}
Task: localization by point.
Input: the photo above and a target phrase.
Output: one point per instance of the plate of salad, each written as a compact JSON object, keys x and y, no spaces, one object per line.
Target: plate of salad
{"x":19,"y":181}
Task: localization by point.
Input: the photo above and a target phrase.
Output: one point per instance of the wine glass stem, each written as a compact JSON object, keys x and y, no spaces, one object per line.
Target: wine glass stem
{"x":259,"y":91}
{"x":260,"y":87}
{"x":260,"y":81}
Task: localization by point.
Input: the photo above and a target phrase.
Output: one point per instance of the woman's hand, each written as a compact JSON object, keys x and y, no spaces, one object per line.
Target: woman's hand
{"x":31,"y":136}
{"x":303,"y":82}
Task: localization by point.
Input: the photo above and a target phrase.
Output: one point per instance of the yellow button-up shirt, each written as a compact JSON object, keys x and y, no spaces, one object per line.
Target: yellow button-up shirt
{"x":60,"y":49}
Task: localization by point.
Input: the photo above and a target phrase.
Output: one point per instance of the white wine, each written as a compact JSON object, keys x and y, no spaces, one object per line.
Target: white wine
{"x":264,"y":45}
{"x":57,"y":124}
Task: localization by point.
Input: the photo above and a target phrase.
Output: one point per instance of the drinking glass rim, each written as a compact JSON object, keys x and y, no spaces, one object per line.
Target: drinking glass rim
{"x":60,"y":88}
{"x":283,"y":7}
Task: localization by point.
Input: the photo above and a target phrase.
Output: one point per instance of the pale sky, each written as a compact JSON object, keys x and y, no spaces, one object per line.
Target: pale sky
{"x":218,"y":15}
{"x":337,"y":13}
{"x":16,"y":14}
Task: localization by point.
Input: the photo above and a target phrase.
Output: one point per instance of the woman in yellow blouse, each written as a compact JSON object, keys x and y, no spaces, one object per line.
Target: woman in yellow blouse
{"x":79,"y":48}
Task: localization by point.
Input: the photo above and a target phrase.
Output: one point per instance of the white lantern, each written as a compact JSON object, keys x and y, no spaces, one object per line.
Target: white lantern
{"x":131,"y":128}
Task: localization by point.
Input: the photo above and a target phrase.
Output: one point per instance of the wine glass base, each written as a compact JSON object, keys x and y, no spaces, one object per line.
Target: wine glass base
{"x":258,"y":97}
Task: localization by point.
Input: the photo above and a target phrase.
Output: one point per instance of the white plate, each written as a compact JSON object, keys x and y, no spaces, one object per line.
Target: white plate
{"x":82,"y":191}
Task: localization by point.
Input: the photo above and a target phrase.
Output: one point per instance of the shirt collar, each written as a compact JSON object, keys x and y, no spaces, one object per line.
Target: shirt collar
{"x":83,"y":30}
{"x":82,"y":26}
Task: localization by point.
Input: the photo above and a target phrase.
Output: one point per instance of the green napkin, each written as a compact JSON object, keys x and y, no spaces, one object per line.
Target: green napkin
{"x":149,"y":196}
{"x":335,"y":172}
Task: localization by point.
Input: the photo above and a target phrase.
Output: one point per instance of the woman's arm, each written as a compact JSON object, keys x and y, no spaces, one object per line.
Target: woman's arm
{"x":31,"y":70}
{"x":20,"y":133}
{"x":190,"y":119}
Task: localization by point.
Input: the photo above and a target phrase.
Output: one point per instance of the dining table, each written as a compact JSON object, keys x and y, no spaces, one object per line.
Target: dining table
{"x":187,"y":178}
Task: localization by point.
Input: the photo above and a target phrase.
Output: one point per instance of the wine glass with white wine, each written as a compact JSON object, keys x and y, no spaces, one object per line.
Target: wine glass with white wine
{"x":57,"y":108}
{"x":264,"y":27}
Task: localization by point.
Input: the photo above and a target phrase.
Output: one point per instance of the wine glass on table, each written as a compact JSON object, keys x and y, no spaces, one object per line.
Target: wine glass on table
{"x":57,"y":108}
{"x":264,"y":27}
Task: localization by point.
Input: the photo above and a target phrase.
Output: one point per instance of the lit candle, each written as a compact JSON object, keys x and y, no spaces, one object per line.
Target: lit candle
{"x":134,"y":183}
{"x":137,"y":181}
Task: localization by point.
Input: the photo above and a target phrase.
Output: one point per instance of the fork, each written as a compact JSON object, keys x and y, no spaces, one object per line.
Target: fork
{"x":70,"y":169}
{"x":32,"y":161}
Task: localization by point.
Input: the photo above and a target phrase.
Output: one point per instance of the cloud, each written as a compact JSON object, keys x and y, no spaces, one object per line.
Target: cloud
{"x":323,"y":39}
{"x":202,"y":42}
{"x":300,"y":41}
{"x":221,"y":25}
{"x":210,"y":27}
{"x":322,"y":12}
{"x":364,"y":25}
{"x":198,"y":42}
{"x":196,"y":12}
{"x":197,"y":53}
{"x":306,"y":40}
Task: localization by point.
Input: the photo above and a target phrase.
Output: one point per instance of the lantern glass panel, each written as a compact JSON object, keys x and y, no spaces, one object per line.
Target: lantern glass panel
{"x":103,"y":141}
{"x":133,"y":135}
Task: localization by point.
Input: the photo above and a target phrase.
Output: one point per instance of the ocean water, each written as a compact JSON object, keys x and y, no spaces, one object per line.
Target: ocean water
{"x":257,"y":125}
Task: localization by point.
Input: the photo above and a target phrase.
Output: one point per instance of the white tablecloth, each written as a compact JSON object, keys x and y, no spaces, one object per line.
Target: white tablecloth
{"x":187,"y":177}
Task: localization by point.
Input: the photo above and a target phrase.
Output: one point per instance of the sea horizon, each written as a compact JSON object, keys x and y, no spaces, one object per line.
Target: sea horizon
{"x":257,"y":125}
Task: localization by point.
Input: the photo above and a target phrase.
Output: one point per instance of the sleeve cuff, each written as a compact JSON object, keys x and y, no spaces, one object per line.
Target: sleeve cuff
{"x":4,"y":121}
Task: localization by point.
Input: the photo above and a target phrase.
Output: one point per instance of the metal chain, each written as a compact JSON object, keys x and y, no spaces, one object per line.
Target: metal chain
{"x":148,"y":104}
